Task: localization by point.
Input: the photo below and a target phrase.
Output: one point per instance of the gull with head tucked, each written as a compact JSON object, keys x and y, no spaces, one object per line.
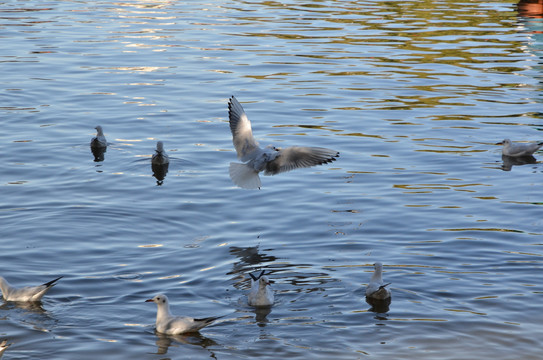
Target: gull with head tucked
{"x":28,"y":294}
{"x":518,"y":150}
{"x":376,"y":290}
{"x":168,"y":324}
{"x":271,"y":160}
{"x":261,"y":293}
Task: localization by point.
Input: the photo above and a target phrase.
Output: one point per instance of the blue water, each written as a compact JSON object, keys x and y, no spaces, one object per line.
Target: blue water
{"x":413,"y":95}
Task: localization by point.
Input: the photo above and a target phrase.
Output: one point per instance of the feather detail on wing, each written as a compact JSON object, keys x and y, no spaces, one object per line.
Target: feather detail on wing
{"x":244,"y":176}
{"x":242,"y":134}
{"x":299,"y":157}
{"x":203,"y":322}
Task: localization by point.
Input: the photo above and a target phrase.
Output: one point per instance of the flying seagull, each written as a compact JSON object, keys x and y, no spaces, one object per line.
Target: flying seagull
{"x":169,"y":324}
{"x":271,"y":160}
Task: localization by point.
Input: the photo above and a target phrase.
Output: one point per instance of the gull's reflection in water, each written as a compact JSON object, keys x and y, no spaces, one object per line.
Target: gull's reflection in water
{"x":31,"y":306}
{"x":380,"y":307}
{"x":159,"y":172}
{"x":261,"y":313}
{"x":163,"y":342}
{"x":30,"y":313}
{"x":98,"y":153}
{"x":510,"y":161}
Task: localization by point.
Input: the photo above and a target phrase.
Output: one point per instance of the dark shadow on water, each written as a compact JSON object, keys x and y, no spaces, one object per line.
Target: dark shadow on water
{"x":510,"y":161}
{"x":159,"y":172}
{"x":163,"y":342}
{"x":98,"y":153}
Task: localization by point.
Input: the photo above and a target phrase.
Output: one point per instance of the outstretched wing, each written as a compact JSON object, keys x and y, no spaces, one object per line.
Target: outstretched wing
{"x":242,"y":134}
{"x":299,"y":157}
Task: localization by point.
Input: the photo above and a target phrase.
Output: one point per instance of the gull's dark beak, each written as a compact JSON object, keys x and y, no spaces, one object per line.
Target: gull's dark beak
{"x":149,"y":300}
{"x":499,"y":143}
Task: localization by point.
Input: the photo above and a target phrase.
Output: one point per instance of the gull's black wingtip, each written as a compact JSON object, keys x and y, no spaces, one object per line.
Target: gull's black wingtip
{"x":52,"y":282}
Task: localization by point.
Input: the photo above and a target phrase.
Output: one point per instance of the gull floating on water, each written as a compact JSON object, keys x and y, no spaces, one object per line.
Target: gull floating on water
{"x":516,"y":150}
{"x":3,"y":346}
{"x":99,"y":141}
{"x":160,"y":157}
{"x":29,"y":293}
{"x":169,"y":324}
{"x":261,"y":293}
{"x":376,"y":290}
{"x":271,"y":160}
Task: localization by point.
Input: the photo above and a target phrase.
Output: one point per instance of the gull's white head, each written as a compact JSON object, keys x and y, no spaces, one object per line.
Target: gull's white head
{"x":159,"y":299}
{"x":263,"y":281}
{"x":99,"y":130}
{"x":505,"y":142}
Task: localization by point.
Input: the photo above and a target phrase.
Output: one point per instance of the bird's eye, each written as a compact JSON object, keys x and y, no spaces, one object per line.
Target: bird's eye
{"x":158,"y":299}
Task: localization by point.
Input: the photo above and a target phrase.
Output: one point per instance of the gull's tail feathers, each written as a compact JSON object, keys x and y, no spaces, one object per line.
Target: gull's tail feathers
{"x":244,"y":176}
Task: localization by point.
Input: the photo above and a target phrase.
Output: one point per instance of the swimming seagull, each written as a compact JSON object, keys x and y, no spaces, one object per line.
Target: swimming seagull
{"x":29,"y":293}
{"x":160,"y":157}
{"x":376,"y":290}
{"x":517,"y":150}
{"x":169,"y":324}
{"x":99,"y":141}
{"x":271,"y":160}
{"x":3,"y":346}
{"x":261,"y":294}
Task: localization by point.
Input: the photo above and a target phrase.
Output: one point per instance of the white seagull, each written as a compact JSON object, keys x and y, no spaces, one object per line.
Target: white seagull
{"x":99,"y":141}
{"x":517,"y":150}
{"x":3,"y":346}
{"x":160,"y":157}
{"x":169,"y":324}
{"x":261,"y":293}
{"x":29,"y":293}
{"x":376,"y":290}
{"x":271,"y":160}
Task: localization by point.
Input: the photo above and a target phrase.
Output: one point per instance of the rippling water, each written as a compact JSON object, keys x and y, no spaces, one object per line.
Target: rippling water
{"x":413,"y":94}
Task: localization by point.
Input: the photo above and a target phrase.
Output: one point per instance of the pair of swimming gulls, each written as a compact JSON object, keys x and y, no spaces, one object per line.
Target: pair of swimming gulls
{"x":260,"y":295}
{"x":99,"y":142}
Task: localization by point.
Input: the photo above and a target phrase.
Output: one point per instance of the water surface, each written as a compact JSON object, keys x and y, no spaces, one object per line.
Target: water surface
{"x":413,"y":95}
